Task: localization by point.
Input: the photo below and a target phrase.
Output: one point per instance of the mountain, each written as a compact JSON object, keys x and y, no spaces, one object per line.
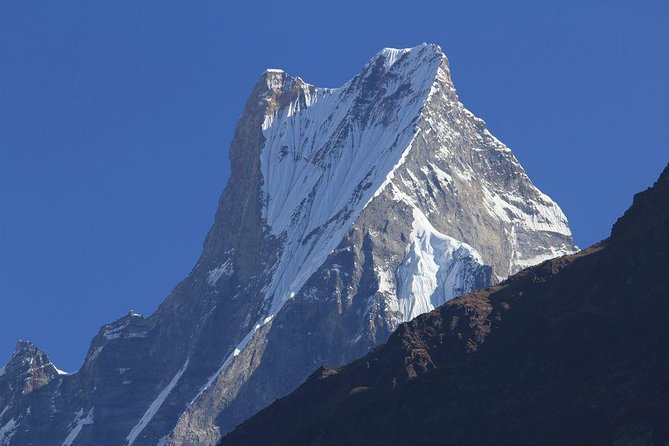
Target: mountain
{"x":572,"y":351}
{"x":347,"y":212}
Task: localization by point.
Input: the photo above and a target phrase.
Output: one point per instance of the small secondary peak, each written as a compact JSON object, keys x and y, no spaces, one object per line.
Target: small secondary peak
{"x":29,"y":368}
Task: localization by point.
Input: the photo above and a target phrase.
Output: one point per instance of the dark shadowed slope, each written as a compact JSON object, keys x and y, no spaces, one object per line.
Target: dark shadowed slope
{"x":572,"y":351}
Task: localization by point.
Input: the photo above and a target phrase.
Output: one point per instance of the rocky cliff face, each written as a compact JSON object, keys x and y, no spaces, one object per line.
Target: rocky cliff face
{"x":572,"y":351}
{"x":348,"y":212}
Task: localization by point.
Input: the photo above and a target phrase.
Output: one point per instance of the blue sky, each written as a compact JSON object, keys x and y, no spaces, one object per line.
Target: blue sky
{"x":116,"y":117}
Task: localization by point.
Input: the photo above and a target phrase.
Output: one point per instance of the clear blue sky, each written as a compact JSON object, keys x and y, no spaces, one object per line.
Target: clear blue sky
{"x":116,"y":117}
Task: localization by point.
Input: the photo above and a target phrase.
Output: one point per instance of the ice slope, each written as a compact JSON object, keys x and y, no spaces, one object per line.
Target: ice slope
{"x":436,"y":269}
{"x":325,"y":158}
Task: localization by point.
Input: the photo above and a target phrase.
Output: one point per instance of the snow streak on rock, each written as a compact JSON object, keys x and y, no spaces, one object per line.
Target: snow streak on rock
{"x":79,"y":422}
{"x":154,"y":406}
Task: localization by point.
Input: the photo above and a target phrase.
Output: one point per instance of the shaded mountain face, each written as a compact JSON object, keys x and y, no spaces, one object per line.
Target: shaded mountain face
{"x":572,"y":351}
{"x":348,"y":211}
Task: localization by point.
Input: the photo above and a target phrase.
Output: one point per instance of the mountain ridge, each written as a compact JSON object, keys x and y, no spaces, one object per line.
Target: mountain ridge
{"x":347,"y":212}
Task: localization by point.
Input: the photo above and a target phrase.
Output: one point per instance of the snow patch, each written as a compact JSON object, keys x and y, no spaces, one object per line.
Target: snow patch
{"x":386,"y":281}
{"x":139,"y":334}
{"x":115,"y":332}
{"x":59,"y":371}
{"x":94,"y":354}
{"x":436,"y":268}
{"x":215,"y":274}
{"x":537,"y":215}
{"x":7,"y":431}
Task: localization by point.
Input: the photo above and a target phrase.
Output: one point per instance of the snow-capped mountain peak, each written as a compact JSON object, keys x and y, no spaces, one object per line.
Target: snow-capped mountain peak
{"x":348,"y":211}
{"x":328,"y":151}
